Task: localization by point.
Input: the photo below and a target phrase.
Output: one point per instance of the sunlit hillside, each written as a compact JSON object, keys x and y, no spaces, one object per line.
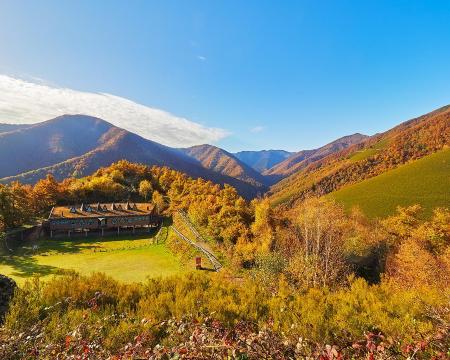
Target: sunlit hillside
{"x":381,"y":153}
{"x":425,"y":181}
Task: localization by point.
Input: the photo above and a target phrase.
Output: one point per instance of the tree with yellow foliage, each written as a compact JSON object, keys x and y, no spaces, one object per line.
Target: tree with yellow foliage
{"x":314,"y":241}
{"x":414,"y":266}
{"x":159,"y":202}
{"x":262,"y":227}
{"x":145,"y":189}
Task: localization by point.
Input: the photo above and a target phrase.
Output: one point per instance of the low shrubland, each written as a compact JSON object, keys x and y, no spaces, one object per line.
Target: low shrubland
{"x":98,"y":317}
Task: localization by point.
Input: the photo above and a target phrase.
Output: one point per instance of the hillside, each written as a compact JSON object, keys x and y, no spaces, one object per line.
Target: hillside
{"x":408,"y":141}
{"x":131,"y":147}
{"x":12,"y":127}
{"x":303,"y":158}
{"x":223,"y":162}
{"x":51,"y":142}
{"x":425,"y":181}
{"x":262,"y":160}
{"x":51,"y":147}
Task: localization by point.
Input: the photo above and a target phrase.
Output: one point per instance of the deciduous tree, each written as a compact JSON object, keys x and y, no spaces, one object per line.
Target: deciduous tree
{"x":145,"y":189}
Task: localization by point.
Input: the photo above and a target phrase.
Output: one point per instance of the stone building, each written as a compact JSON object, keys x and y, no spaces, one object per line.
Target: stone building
{"x":102,"y":217}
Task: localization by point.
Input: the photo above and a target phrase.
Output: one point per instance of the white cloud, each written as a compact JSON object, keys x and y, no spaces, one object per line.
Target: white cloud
{"x":25,"y":102}
{"x":257,"y":129}
{"x":201,"y":58}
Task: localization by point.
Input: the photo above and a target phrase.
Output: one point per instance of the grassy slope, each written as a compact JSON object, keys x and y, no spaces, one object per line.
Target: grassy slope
{"x":425,"y":181}
{"x":121,"y":258}
{"x":368,"y":152}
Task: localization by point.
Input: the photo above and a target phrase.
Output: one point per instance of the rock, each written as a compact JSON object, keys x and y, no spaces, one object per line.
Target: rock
{"x":7,"y":287}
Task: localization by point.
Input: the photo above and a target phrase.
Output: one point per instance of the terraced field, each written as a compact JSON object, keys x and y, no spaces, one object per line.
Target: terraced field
{"x":425,"y":181}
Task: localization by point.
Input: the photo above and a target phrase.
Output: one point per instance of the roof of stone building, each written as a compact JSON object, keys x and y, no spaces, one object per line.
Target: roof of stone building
{"x":101,"y":210}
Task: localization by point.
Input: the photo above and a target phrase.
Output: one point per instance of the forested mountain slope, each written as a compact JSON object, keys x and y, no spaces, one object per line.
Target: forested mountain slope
{"x":408,"y":141}
{"x":12,"y":127}
{"x":306,"y":273}
{"x":51,"y":142}
{"x":223,"y":162}
{"x":301,"y":159}
{"x":262,"y":160}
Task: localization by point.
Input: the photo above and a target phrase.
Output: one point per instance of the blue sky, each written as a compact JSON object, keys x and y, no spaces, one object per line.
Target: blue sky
{"x":291,"y":75}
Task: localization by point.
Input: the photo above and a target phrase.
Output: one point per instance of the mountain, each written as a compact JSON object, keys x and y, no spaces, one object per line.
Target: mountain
{"x":223,"y":162}
{"x":77,"y":145}
{"x":374,"y":156}
{"x":425,"y":181}
{"x":12,"y":127}
{"x":302,"y":158}
{"x":262,"y":160}
{"x":51,"y":142}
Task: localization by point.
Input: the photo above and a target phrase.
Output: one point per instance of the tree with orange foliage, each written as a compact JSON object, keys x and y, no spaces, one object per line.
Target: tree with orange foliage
{"x":414,"y":266}
{"x":421,"y":250}
{"x":15,"y":209}
{"x":45,"y":194}
{"x":159,"y":202}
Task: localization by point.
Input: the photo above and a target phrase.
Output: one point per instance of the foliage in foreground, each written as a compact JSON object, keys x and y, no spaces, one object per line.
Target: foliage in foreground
{"x":211,"y":315}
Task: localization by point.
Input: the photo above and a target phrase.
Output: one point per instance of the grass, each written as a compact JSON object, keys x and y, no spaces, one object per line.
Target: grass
{"x":363,"y":154}
{"x":425,"y":181}
{"x":126,"y":258}
{"x":366,"y":153}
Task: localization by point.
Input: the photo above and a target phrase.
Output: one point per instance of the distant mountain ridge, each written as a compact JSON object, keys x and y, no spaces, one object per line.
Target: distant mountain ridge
{"x":12,"y":127}
{"x":262,"y":160}
{"x":77,"y":145}
{"x":223,"y":162}
{"x":301,"y":159}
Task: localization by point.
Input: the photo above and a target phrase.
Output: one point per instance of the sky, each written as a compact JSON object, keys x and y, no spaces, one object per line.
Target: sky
{"x":243,"y":75}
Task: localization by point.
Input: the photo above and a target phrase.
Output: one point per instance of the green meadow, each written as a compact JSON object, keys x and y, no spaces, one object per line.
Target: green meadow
{"x":425,"y":181}
{"x":366,"y":153}
{"x":128,"y":259}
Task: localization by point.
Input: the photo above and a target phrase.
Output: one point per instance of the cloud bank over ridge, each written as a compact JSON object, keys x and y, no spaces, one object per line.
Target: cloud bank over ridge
{"x":25,"y":102}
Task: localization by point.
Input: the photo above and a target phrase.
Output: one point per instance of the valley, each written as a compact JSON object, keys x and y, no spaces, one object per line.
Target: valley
{"x":224,"y":180}
{"x":245,"y":237}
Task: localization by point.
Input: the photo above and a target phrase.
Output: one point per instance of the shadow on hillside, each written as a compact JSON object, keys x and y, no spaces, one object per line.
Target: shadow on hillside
{"x":26,"y":266}
{"x":63,"y":246}
{"x":78,"y":243}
